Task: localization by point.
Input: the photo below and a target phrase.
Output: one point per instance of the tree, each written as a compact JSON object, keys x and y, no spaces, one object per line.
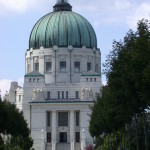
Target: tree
{"x":12,"y":123}
{"x":127,"y":69}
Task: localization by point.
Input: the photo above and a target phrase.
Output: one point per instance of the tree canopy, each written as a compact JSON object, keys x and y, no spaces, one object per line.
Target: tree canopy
{"x":12,"y":123}
{"x":126,"y":94}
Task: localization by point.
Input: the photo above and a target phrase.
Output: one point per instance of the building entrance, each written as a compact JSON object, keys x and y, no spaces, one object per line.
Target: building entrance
{"x":63,"y":137}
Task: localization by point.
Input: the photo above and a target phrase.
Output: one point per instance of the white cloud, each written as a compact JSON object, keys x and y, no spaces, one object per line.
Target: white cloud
{"x":4,"y":86}
{"x":121,"y":5}
{"x":20,"y":81}
{"x":20,"y":6}
{"x":116,"y":12}
{"x":143,"y":11}
{"x":7,"y":6}
{"x":17,"y":5}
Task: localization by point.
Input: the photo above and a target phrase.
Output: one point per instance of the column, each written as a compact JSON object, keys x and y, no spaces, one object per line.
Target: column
{"x":42,"y":140}
{"x":54,"y":130}
{"x":72,"y":130}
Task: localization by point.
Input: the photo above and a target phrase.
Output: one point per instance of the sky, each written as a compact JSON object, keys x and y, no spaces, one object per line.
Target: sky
{"x":111,"y":20}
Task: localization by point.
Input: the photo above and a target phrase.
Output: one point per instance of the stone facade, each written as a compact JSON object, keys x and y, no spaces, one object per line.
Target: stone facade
{"x":60,"y":84}
{"x":77,"y":91}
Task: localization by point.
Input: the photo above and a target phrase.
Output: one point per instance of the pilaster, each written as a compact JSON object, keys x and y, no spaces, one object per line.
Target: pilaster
{"x":72,"y":129}
{"x":53,"y":130}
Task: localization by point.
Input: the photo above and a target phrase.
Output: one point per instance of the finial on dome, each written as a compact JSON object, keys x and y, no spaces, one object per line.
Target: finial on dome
{"x":62,"y":5}
{"x":62,"y":1}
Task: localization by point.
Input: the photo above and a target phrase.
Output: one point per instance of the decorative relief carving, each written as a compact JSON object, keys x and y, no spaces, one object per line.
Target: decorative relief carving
{"x":86,"y":93}
{"x":38,"y":94}
{"x":77,"y":57}
{"x":36,"y":59}
{"x":62,"y":56}
{"x":48,"y":57}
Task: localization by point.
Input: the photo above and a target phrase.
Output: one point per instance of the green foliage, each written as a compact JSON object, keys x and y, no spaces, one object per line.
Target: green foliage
{"x":123,"y":138}
{"x":126,"y":95}
{"x":18,"y":143}
{"x":12,"y":123}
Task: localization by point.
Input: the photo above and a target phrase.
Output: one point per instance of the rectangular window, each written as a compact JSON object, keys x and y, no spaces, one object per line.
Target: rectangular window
{"x":48,"y":66}
{"x":28,"y":68}
{"x":66,"y":94}
{"x":36,"y":67}
{"x":48,"y":95}
{"x":86,"y":79}
{"x":48,"y":119}
{"x":15,"y":95}
{"x":89,"y":66}
{"x":62,"y":118}
{"x":94,"y":79}
{"x":62,"y":94}
{"x":19,"y":98}
{"x":77,"y":118}
{"x":58,"y":94}
{"x":96,"y":68}
{"x":77,"y":94}
{"x":48,"y":137}
{"x":77,"y":66}
{"x":63,"y":137}
{"x":77,"y":136}
{"x":90,"y":79}
{"x":62,"y":66}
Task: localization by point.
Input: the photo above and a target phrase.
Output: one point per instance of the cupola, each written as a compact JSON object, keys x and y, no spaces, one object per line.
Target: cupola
{"x":62,"y":27}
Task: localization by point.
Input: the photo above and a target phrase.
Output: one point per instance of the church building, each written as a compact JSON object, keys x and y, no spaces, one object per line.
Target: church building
{"x":62,"y":80}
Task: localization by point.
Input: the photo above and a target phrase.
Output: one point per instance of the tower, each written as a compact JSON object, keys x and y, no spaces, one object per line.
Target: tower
{"x":62,"y":79}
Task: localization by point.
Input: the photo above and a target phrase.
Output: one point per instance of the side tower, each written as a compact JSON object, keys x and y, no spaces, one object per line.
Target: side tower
{"x":63,"y":78}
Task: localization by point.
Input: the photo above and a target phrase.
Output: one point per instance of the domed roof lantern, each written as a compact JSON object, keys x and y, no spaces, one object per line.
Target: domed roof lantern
{"x":62,"y":5}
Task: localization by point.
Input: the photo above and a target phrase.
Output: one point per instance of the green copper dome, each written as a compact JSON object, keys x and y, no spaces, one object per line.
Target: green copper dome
{"x":62,"y":27}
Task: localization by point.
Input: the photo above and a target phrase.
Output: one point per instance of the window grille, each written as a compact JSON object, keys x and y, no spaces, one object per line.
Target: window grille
{"x":62,"y":94}
{"x":77,"y":94}
{"x":89,"y":66}
{"x":62,"y":118}
{"x":77,"y":136}
{"x":77,"y":66}
{"x":66,"y":94}
{"x":48,"y":119}
{"x":77,"y":118}
{"x":48,"y":66}
{"x":48,"y":95}
{"x":62,"y":66}
{"x":36,"y":67}
{"x":48,"y":137}
{"x":58,"y":94}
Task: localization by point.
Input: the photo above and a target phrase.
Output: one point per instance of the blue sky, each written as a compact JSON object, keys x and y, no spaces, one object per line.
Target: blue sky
{"x":111,"y":20}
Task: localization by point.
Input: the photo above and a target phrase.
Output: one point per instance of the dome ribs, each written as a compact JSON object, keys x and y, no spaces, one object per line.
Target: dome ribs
{"x":62,"y":28}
